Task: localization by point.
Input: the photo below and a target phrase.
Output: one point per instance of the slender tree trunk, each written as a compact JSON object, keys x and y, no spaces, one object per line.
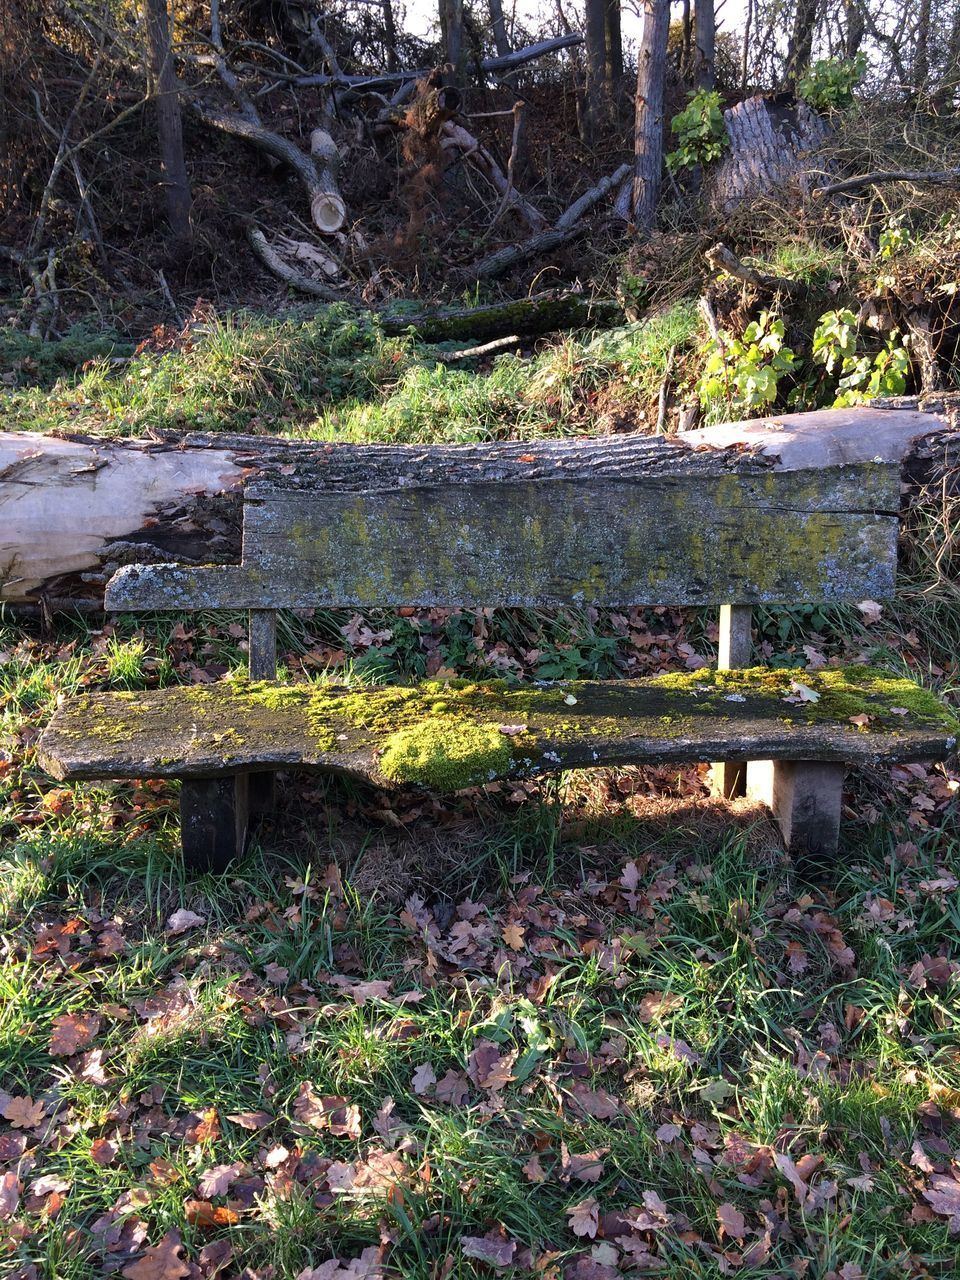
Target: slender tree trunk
{"x":800,"y":48}
{"x":614,"y":47}
{"x":648,"y":128}
{"x":501,"y":44}
{"x":921,"y":55}
{"x":390,"y":35}
{"x":745,"y":55}
{"x":451,"y":27}
{"x":705,"y":32}
{"x":686,"y":52}
{"x":163,"y":85}
{"x":855,"y":28}
{"x":595,"y":95}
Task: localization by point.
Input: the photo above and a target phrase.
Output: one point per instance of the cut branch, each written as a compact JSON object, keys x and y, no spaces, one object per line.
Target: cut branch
{"x":575,"y":212}
{"x":316,"y":171}
{"x":944,"y":176}
{"x":455,"y":137}
{"x":274,"y":263}
{"x":720,"y":258}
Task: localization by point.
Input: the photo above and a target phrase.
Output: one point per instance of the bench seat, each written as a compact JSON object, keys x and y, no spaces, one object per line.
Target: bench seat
{"x":454,"y":734}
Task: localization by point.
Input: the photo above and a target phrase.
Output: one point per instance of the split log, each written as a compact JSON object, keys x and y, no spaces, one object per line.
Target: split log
{"x":317,"y":171}
{"x":75,"y":510}
{"x":283,"y":271}
{"x":770,"y":142}
{"x":529,"y":317}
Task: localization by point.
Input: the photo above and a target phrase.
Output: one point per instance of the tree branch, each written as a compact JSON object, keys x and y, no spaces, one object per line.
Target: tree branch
{"x":946,"y":176}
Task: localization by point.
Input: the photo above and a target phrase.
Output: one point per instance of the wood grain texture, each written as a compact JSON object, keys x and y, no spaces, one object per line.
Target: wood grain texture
{"x":773,"y":537}
{"x":191,"y":732}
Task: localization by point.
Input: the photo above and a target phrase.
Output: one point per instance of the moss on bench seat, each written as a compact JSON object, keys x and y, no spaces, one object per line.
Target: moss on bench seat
{"x":450,"y":734}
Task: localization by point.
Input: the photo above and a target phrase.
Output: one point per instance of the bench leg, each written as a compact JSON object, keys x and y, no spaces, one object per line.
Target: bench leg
{"x":805,"y":797}
{"x":261,"y":793}
{"x":734,"y":649}
{"x":213,"y":821}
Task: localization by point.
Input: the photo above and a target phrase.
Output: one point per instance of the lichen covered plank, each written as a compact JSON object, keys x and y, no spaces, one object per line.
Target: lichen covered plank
{"x":448,"y":735}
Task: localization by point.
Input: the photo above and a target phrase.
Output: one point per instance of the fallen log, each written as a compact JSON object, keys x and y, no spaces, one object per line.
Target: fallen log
{"x":939,"y":177}
{"x":528,"y":317}
{"x":76,"y":509}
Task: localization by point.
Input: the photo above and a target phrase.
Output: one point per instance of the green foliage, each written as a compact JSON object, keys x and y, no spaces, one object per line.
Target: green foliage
{"x":700,"y":130}
{"x":27,"y":361}
{"x":830,"y":82}
{"x":744,"y":374}
{"x":861,"y":376}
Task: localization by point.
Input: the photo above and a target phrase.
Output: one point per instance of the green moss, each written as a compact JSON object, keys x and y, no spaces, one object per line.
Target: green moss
{"x":445,"y":753}
{"x":843,"y":692}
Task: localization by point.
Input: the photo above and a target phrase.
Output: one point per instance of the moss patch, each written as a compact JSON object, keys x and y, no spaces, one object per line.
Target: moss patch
{"x":445,"y":753}
{"x":843,"y":692}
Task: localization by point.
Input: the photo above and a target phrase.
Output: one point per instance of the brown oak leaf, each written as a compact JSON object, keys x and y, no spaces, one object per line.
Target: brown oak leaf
{"x":73,"y":1031}
{"x":103,"y":1151}
{"x":23,"y":1113}
{"x":216,"y":1181}
{"x":161,"y":1261}
{"x":732,"y":1221}
{"x":584,"y":1218}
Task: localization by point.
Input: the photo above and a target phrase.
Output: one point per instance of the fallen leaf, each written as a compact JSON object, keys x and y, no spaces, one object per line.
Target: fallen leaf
{"x":871,"y":611}
{"x":335,"y":1114}
{"x":23,"y":1113}
{"x":216,"y":1181}
{"x":423,"y":1078}
{"x":9,"y":1195}
{"x":514,"y":936}
{"x":657,"y":1004}
{"x":586,"y":1167}
{"x":160,"y":1262}
{"x":943,"y":1196}
{"x":180,"y":922}
{"x":595,"y":1102}
{"x":251,"y":1119}
{"x":732,"y":1221}
{"x":103,"y":1151}
{"x":452,"y":1089}
{"x":584,"y":1218}
{"x":534,"y":1170}
{"x":72,"y":1031}
{"x":201,"y":1213}
{"x":493,"y":1249}
{"x":861,"y":720}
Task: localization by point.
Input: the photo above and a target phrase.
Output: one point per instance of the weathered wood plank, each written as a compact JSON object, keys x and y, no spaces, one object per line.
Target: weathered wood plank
{"x":826,"y":535}
{"x":806,"y":798}
{"x":775,"y":537}
{"x":213,"y":821}
{"x":186,"y":731}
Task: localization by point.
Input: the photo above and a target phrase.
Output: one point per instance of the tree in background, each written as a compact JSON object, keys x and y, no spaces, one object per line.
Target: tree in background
{"x":162,"y":85}
{"x":648,"y":124}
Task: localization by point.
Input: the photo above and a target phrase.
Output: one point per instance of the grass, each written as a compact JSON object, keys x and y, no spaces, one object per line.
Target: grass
{"x":333,"y":374}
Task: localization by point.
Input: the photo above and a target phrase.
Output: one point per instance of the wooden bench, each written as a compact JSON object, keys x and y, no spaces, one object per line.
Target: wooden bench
{"x":614,"y":522}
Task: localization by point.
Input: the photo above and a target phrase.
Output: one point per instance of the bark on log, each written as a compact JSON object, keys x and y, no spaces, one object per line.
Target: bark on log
{"x":720,"y":258}
{"x":73,"y":510}
{"x":770,"y":142}
{"x":949,"y":177}
{"x":530,"y":317}
{"x":283,"y":271}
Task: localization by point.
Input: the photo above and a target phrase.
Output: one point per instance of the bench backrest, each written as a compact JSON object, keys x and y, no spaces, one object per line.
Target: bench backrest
{"x":753,"y":536}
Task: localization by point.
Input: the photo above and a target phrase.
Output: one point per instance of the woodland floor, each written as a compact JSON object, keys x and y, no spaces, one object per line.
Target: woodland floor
{"x":588,"y":1028}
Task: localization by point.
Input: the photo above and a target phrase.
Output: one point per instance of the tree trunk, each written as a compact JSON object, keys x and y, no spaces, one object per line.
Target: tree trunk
{"x":163,"y":85}
{"x":855,"y":28}
{"x":390,"y":35}
{"x":921,"y":55}
{"x":800,"y":47}
{"x":75,"y":510}
{"x":500,"y":41}
{"x":595,"y":112}
{"x":706,"y":37}
{"x":614,"y":48}
{"x":451,"y":28}
{"x":648,"y":127}
{"x":531,"y":317}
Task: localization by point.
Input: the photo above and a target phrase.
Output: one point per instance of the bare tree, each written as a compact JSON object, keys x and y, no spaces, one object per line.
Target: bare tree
{"x":163,"y":85}
{"x":648,"y":126}
{"x":705,"y":32}
{"x":451,"y":27}
{"x":595,"y":94}
{"x":800,"y":47}
{"x":500,"y":42}
{"x":614,"y":45}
